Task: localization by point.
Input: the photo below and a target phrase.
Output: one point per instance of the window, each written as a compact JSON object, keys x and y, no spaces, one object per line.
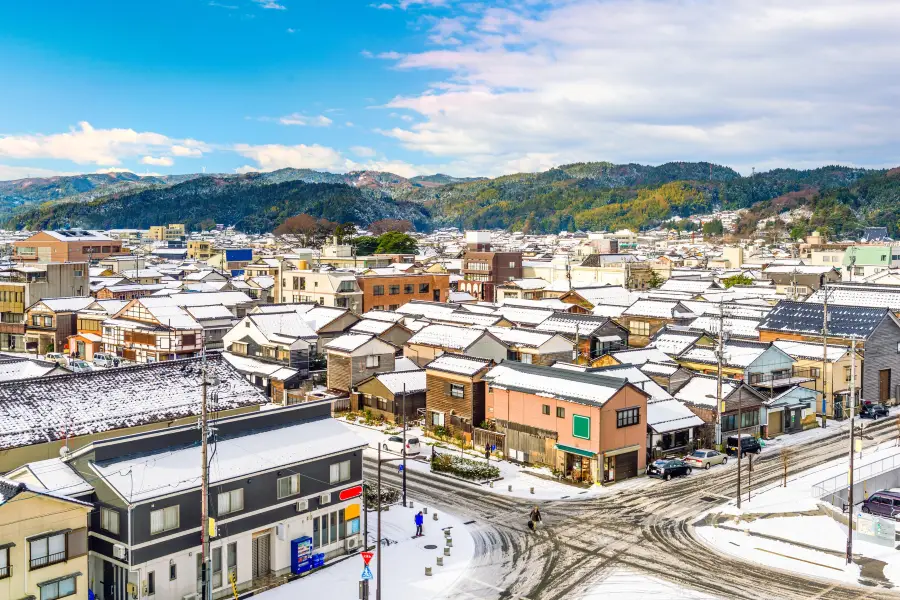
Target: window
{"x":423,"y":288}
{"x":581,"y":427}
{"x":627,"y":417}
{"x":394,"y":290}
{"x":315,"y":535}
{"x":173,"y":572}
{"x":239,"y":347}
{"x":373,"y":361}
{"x":407,"y":288}
{"x":378,"y":290}
{"x":457,"y":390}
{"x":58,"y":589}
{"x":288,"y":486}
{"x":340,"y":472}
{"x":342,"y":525}
{"x":640,"y":328}
{"x":47,"y":550}
{"x":560,"y":412}
{"x":232,"y":560}
{"x":151,"y":583}
{"x":393,"y":307}
{"x":512,"y":265}
{"x":750,"y":419}
{"x":231,"y":501}
{"x":109,"y":520}
{"x":545,"y":409}
{"x":816,"y":371}
{"x":164,"y":519}
{"x":334,"y":527}
{"x":189,"y":339}
{"x":4,"y":563}
{"x":437,"y":419}
{"x":36,"y":320}
{"x":48,"y":321}
{"x":526,"y":358}
{"x":846,"y":373}
{"x":216,"y":568}
{"x":379,"y":307}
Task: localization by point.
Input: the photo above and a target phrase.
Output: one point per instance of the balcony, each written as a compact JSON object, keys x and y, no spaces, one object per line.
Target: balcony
{"x":5,"y":572}
{"x":38,"y":562}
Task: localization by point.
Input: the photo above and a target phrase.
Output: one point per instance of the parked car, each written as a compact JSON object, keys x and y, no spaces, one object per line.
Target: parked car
{"x":873,"y":411}
{"x":105,"y":359}
{"x":394,"y":443}
{"x":704,"y":459}
{"x":57,"y":357}
{"x":885,"y":503}
{"x":749,"y":444}
{"x":668,"y":468}
{"x":80,"y":366}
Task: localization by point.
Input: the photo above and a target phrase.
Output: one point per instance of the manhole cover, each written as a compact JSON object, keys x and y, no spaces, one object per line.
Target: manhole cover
{"x":430,"y":547}
{"x":469,"y":523}
{"x":708,"y":499}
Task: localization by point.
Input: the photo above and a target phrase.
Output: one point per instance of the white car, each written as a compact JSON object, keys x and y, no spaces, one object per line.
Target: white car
{"x":57,"y":357}
{"x":394,"y":444}
{"x":103,"y":359}
{"x":80,"y":366}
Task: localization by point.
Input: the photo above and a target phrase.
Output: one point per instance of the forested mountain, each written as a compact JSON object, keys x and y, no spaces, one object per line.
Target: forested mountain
{"x":248,"y":202}
{"x":570,"y":197}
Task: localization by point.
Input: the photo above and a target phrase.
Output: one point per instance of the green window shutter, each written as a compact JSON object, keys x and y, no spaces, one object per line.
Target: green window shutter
{"x":581,"y":427}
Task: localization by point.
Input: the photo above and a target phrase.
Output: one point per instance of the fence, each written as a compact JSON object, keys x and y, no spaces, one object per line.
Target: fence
{"x":485,"y":437}
{"x":861,"y":473}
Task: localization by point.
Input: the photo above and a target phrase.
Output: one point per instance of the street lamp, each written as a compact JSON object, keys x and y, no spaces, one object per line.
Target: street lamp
{"x":378,"y":526}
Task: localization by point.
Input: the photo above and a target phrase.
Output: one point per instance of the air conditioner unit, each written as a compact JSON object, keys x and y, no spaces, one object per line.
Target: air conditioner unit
{"x":302,"y":505}
{"x":194,"y":596}
{"x":119,"y":551}
{"x":351,"y":543}
{"x":325,"y":499}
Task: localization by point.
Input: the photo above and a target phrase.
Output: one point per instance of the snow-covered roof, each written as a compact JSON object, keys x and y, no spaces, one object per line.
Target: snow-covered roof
{"x":41,"y":410}
{"x":567,"y":323}
{"x":289,"y":324}
{"x":383,"y":315}
{"x":652,"y":368}
{"x":215,"y":311}
{"x":371,"y":326}
{"x":810,"y":350}
{"x":79,"y":235}
{"x":405,"y":364}
{"x":687,"y":285}
{"x":745,"y":328}
{"x":395,"y":381}
{"x":534,"y":283}
{"x":14,"y":370}
{"x":459,"y":364}
{"x":873,"y":296}
{"x":670,"y":415}
{"x":734,"y":354}
{"x":799,"y":269}
{"x":446,"y":336}
{"x":198,"y":299}
{"x":69,"y":304}
{"x":144,"y":477}
{"x":55,"y":476}
{"x":460,"y":297}
{"x":524,"y":316}
{"x":564,"y":384}
{"x":529,"y":338}
{"x":674,"y":342}
{"x":701,"y":390}
{"x":653,"y":308}
{"x":251,"y":366}
{"x":639,"y":356}
{"x":349,"y":342}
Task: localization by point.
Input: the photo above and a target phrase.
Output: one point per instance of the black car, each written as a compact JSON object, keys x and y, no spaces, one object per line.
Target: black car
{"x":749,"y":444}
{"x":667,"y":469}
{"x":873,"y":411}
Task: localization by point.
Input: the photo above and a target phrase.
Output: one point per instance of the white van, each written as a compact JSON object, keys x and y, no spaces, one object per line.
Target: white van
{"x":58,"y":358}
{"x":105,"y":359}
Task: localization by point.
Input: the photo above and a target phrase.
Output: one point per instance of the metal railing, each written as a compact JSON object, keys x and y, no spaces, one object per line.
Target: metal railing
{"x":860,"y":474}
{"x":50,"y":559}
{"x":5,"y":571}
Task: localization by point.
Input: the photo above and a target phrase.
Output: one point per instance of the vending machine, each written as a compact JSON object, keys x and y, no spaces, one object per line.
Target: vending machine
{"x":301,"y":555}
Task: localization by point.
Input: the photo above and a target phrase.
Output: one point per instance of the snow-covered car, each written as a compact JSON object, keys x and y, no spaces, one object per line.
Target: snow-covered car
{"x":704,"y":459}
{"x":394,"y":443}
{"x":57,"y":357}
{"x":80,"y":366}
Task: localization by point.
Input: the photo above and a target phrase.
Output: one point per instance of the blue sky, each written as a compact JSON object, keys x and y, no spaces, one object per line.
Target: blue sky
{"x":419,"y":86}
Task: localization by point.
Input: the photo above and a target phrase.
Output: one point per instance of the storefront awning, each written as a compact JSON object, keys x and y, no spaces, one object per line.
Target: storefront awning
{"x":578,"y":451}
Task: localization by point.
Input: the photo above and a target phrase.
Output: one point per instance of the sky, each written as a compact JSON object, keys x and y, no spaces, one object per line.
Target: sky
{"x":463,"y":87}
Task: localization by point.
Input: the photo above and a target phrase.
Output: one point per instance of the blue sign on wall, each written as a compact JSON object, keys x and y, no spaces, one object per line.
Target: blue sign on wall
{"x":239,"y":254}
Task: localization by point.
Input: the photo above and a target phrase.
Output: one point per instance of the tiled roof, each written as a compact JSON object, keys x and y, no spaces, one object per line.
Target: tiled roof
{"x":459,"y":364}
{"x":806,"y":318}
{"x":446,"y":336}
{"x":395,"y":381}
{"x":565,"y":384}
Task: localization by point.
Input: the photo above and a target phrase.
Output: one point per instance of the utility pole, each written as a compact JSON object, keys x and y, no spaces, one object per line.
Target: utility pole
{"x":404,"y":445}
{"x":740,"y":446}
{"x":852,"y":432}
{"x":719,"y":379}
{"x":825,"y":352}
{"x":378,"y":539}
{"x":204,"y":489}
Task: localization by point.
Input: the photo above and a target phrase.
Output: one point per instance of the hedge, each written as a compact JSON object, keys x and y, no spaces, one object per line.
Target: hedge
{"x":463,"y":467}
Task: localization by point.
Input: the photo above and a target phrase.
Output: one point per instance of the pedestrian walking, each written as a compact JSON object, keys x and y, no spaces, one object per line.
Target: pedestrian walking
{"x":535,"y":517}
{"x":420,"y":521}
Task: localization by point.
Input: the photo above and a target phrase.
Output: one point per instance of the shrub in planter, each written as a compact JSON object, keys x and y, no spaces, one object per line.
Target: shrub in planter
{"x":388,"y":496}
{"x":465,"y":468}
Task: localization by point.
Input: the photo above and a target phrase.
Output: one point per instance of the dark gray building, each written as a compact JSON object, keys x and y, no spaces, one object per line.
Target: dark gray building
{"x":275,"y":476}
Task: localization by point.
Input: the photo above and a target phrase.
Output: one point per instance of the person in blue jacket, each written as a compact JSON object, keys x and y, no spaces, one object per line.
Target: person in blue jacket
{"x":420,"y":521}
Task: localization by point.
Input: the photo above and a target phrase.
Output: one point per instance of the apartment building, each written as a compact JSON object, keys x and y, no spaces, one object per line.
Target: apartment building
{"x":22,"y":286}
{"x":483,"y":270}
{"x":389,"y":292}
{"x":199,"y":249}
{"x":231,"y":260}
{"x":166,"y":233}
{"x":330,"y":288}
{"x":67,"y":245}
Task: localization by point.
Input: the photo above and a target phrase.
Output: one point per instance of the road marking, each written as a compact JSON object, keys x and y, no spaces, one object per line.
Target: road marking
{"x":823,"y":592}
{"x":495,"y":588}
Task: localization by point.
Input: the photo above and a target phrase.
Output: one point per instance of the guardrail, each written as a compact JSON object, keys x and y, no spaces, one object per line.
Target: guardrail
{"x":860,"y":474}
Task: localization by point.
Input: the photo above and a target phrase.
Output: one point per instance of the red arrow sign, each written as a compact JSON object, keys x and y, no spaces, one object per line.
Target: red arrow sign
{"x":367,"y":556}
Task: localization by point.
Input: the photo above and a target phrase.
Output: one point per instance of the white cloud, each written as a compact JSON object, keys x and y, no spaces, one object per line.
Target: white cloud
{"x":735,"y":81}
{"x":271,"y":157}
{"x":186,"y":151}
{"x":291,"y":30}
{"x":11,"y":172}
{"x":270,"y":4}
{"x":304,"y":120}
{"x":363,"y":151}
{"x":160,"y":161}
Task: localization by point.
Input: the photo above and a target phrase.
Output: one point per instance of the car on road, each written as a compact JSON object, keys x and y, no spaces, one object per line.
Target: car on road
{"x":704,"y":459}
{"x":57,"y":357}
{"x":668,"y":468}
{"x":884,"y":503}
{"x":394,"y":443}
{"x":873,"y":410}
{"x":80,"y":366}
{"x":749,"y":445}
{"x":104,"y":359}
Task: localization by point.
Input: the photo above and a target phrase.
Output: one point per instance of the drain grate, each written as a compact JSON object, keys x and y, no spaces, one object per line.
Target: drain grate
{"x":709,"y":499}
{"x":468,"y":522}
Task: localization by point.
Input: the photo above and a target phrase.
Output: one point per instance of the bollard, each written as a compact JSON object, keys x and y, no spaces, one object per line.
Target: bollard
{"x":449,"y":542}
{"x":532,"y":490}
{"x":440,"y":561}
{"x":428,"y":571}
{"x":490,"y":484}
{"x":509,"y":488}
{"x":435,"y":516}
{"x":446,"y":551}
{"x":410,"y":504}
{"x":424,"y":510}
{"x":446,"y":533}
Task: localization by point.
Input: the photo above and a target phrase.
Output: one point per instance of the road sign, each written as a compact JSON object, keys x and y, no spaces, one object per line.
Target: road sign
{"x":367,"y":556}
{"x":366,"y":574}
{"x":493,"y":447}
{"x":400,"y":468}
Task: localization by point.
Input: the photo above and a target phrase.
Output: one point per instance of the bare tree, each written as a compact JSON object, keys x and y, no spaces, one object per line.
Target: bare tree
{"x":786,"y":456}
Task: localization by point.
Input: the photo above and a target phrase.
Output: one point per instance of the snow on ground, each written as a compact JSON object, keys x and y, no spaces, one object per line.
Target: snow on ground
{"x":403,"y":562}
{"x":623,"y":584}
{"x":813,"y":544}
